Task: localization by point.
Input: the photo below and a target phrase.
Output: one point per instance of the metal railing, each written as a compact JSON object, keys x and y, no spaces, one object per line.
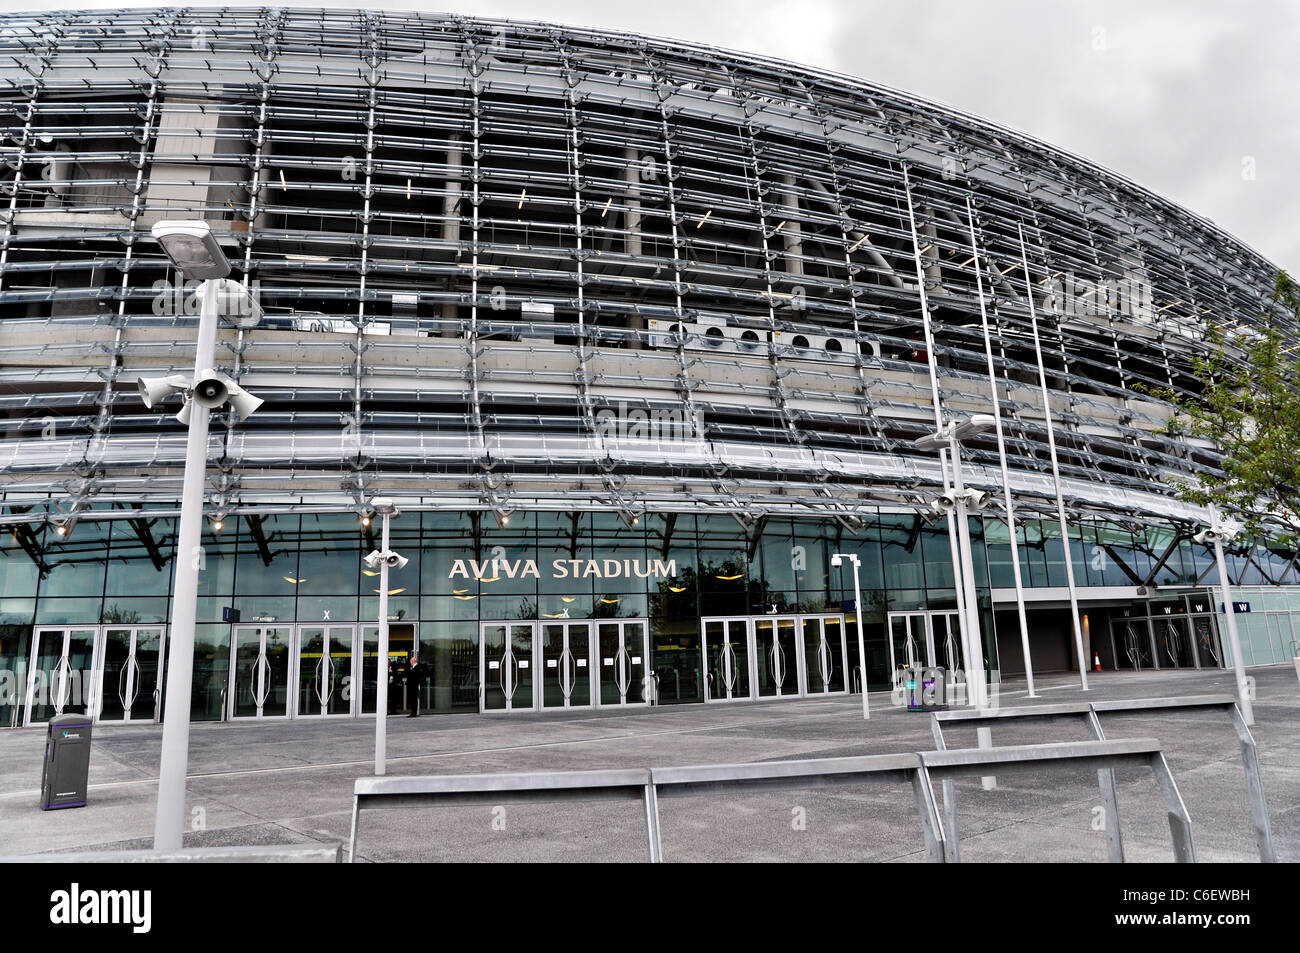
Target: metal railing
{"x":1087,"y":714}
{"x":647,"y":785}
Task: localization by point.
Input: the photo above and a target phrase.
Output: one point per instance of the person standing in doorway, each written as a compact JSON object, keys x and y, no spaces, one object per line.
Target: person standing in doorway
{"x":416,"y":673}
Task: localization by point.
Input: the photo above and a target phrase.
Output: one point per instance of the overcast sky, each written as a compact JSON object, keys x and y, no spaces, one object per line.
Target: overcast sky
{"x":1198,"y":101}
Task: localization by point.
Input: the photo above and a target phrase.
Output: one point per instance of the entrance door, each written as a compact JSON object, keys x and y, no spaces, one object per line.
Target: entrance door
{"x":61,"y":674}
{"x":1205,"y":641}
{"x":728,"y":650}
{"x":778,"y":656}
{"x":128,"y":675}
{"x":621,"y":670}
{"x":506,"y":666}
{"x":925,"y":639}
{"x":259,"y":671}
{"x":825,"y":654}
{"x":1174,"y":643}
{"x":326,"y":670}
{"x":566,"y":665}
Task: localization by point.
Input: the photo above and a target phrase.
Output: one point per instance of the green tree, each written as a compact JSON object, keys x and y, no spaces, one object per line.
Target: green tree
{"x":1249,"y":408}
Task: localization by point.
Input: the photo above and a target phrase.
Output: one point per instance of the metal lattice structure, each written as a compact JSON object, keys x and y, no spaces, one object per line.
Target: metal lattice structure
{"x":510,"y":264}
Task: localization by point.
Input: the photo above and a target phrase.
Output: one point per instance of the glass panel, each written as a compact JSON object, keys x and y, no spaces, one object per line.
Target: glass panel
{"x":313,"y":679}
{"x":246,"y":674}
{"x":788,"y":656}
{"x":580,"y":664}
{"x":1206,"y":642}
{"x":767,"y":657}
{"x":739,"y":652}
{"x":48,"y":655}
{"x":277,"y":672}
{"x":75,"y":686}
{"x":521,"y":647}
{"x":370,"y":668}
{"x":1171,"y":642}
{"x":634,"y":648}
{"x":494,"y":660}
{"x":715,"y":678}
{"x":115,"y":687}
{"x":833,"y":628}
{"x":817,"y":663}
{"x":557,"y":667}
{"x":339,"y":690}
{"x":148,"y":660}
{"x":607,"y":660}
{"x":947,"y":643}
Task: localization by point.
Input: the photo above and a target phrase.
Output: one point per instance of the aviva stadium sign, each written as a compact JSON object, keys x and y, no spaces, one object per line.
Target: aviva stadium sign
{"x":489,"y":570}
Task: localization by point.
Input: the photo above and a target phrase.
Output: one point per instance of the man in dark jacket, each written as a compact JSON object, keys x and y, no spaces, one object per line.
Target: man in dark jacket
{"x":416,"y":674}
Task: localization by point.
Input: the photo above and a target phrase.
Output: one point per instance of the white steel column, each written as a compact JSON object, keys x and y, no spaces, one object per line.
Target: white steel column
{"x":1238,"y":662}
{"x":963,"y":611}
{"x":381,"y":680}
{"x":1056,"y":472}
{"x":169,"y":821}
{"x":1002,"y":454}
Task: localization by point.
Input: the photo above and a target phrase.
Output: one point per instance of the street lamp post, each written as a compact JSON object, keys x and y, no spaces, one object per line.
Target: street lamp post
{"x":195,"y":253}
{"x":950,"y":438}
{"x":1218,"y":533}
{"x":836,"y":561}
{"x":382,"y":559}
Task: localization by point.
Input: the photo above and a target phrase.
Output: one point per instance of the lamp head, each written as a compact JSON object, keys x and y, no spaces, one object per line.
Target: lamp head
{"x":192,"y":248}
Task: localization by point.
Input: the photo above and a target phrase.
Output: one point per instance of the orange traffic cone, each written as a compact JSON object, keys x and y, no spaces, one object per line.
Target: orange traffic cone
{"x":1096,"y":662}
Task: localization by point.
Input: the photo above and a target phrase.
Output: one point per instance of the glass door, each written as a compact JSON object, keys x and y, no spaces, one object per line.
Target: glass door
{"x":566,"y":665}
{"x":945,"y":641}
{"x":1173,"y":643}
{"x":621,"y":672}
{"x":1205,"y":639}
{"x":129,"y":673}
{"x":506,"y":666}
{"x":61,"y":674}
{"x":908,"y":642}
{"x":259,"y":671}
{"x":727,"y":651}
{"x":326,"y":675}
{"x":777,"y":656}
{"x":824,"y":654}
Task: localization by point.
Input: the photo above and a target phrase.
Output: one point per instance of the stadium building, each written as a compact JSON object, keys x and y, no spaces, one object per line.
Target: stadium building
{"x":638,"y":335}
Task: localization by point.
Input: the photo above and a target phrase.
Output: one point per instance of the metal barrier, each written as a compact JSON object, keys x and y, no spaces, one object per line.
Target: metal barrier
{"x":1087,"y":714}
{"x":1103,"y":755}
{"x":629,"y":784}
{"x":288,"y":854}
{"x":1249,"y":752}
{"x":649,"y":784}
{"x":646,"y":785}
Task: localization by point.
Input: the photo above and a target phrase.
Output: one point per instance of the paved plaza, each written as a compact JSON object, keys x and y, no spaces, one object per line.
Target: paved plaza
{"x":291,"y":782}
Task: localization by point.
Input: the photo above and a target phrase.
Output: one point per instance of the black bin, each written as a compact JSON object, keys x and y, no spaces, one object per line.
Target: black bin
{"x":926,"y":688}
{"x":67,"y":762}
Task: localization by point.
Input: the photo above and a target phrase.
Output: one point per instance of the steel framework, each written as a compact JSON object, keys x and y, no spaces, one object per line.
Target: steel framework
{"x":479,"y":242}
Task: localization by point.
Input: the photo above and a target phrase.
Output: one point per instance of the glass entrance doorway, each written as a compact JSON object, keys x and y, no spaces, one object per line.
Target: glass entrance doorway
{"x":326,"y":674}
{"x":259,"y":671}
{"x":60,"y":677}
{"x":726,"y":647}
{"x":773,"y":656}
{"x":129,"y":676}
{"x":925,"y":639}
{"x":564,"y":664}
